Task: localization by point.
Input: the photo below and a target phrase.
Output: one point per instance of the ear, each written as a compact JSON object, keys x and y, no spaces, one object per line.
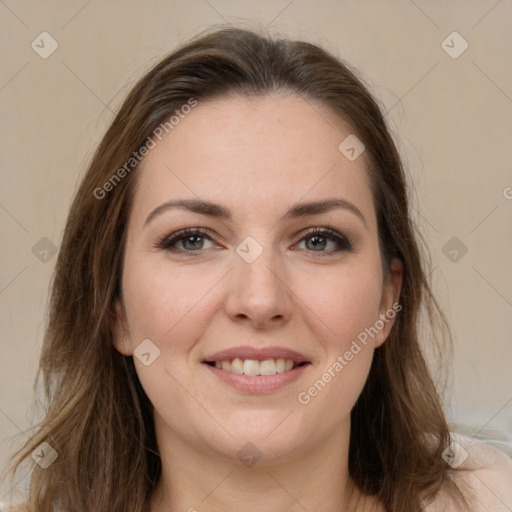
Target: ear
{"x":389,"y":305}
{"x":120,"y":331}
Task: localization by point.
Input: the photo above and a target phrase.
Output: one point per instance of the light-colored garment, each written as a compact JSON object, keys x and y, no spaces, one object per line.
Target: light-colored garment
{"x":486,"y":481}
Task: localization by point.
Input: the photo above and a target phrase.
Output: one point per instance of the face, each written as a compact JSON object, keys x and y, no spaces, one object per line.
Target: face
{"x":269,"y":276}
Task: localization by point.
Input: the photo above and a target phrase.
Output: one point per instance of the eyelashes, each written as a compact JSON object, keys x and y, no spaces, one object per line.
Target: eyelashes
{"x":319,"y":236}
{"x":168,"y":242}
{"x":328,"y":234}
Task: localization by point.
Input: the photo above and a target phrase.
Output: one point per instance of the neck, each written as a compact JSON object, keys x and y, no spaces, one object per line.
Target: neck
{"x":309,"y":479}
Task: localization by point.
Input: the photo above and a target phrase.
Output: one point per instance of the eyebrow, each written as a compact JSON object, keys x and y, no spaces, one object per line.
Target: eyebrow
{"x":220,"y":212}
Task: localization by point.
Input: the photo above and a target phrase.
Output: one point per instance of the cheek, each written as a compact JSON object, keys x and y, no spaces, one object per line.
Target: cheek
{"x":348,"y":308}
{"x":167,"y":306}
{"x":345,"y":306}
{"x":334,"y":390}
{"x":163,"y":305}
{"x":344,"y":303}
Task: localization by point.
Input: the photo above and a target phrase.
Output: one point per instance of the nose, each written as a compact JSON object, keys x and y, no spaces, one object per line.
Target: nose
{"x":259,"y":292}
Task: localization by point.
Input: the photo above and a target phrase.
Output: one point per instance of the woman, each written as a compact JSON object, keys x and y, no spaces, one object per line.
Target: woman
{"x":235,"y":306}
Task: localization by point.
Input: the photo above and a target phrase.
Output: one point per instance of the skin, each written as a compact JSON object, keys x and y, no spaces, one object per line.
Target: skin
{"x":256,"y":157}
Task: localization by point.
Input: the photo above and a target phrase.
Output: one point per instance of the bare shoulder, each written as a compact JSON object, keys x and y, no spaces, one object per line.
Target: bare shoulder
{"x":483,"y":474}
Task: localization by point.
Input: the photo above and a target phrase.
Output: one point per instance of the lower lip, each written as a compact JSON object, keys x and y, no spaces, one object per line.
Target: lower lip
{"x":258,"y":383}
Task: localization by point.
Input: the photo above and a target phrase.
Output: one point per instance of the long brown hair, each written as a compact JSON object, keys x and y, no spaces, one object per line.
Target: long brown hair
{"x":99,"y":419}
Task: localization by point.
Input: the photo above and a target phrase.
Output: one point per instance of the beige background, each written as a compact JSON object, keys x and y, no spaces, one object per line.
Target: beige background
{"x":452,"y":117}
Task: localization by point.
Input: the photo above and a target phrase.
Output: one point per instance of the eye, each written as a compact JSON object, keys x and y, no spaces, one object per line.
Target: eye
{"x":319,"y":239}
{"x":190,"y":239}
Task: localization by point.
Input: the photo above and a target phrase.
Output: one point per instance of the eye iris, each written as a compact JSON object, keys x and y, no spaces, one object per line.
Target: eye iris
{"x":317,"y":245}
{"x":196,"y":239}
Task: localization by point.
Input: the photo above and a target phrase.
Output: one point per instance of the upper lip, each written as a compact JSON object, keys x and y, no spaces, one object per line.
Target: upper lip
{"x":258,"y":354}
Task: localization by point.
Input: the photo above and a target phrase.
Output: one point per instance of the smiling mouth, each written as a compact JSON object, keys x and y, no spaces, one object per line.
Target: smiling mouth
{"x":254,"y":367}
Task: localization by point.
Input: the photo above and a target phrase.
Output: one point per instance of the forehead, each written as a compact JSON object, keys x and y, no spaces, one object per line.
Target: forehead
{"x":259,"y":154}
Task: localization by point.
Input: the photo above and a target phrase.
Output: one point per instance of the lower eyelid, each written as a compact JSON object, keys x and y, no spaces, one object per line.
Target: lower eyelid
{"x":341,"y":246}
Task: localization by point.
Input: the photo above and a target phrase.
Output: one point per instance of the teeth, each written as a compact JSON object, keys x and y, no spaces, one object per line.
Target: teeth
{"x":268,"y":367}
{"x":252,"y":367}
{"x":237,"y":366}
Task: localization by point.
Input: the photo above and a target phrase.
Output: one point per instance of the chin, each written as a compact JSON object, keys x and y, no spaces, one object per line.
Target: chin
{"x":261,"y":435}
